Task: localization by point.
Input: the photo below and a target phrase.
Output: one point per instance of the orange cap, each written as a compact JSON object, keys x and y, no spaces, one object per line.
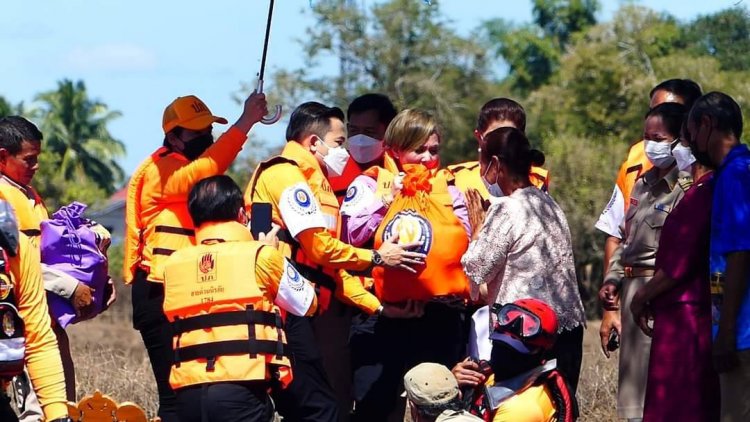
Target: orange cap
{"x":189,"y":112}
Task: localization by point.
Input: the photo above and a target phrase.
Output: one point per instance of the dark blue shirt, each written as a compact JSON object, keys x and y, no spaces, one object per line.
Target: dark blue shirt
{"x":730,"y":226}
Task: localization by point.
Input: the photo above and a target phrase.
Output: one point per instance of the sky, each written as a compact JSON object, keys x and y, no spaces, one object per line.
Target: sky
{"x":137,"y":56}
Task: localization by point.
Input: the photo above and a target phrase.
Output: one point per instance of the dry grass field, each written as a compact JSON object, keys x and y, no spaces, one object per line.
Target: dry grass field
{"x":110,"y":356}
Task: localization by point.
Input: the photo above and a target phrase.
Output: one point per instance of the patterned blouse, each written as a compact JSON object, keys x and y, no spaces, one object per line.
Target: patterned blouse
{"x":524,"y":250}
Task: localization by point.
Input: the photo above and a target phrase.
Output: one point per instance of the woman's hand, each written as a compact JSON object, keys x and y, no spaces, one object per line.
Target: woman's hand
{"x":477,"y":213}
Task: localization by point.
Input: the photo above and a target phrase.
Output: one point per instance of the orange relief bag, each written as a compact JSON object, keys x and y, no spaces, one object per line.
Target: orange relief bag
{"x":423,"y":212}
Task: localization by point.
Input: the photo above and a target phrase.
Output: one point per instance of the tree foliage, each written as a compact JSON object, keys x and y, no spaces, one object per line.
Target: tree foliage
{"x":402,"y":48}
{"x":77,"y":138}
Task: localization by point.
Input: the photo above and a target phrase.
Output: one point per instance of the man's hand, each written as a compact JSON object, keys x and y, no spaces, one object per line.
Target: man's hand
{"x":254,"y":109}
{"x":399,"y":256}
{"x":609,"y":296}
{"x":476,"y":210}
{"x":725,"y":352}
{"x":638,"y":304}
{"x":467,"y":374}
{"x":643,"y":322}
{"x":83,"y":300}
{"x":272,"y":237}
{"x":412,"y":309}
{"x":610,"y":322}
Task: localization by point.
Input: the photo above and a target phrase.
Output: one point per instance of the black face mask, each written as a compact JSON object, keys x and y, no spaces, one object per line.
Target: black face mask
{"x":507,"y":362}
{"x":197,"y":146}
{"x":701,"y":157}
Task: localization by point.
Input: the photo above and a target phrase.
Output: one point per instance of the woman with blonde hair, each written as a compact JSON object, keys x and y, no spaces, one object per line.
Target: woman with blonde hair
{"x":411,"y":198}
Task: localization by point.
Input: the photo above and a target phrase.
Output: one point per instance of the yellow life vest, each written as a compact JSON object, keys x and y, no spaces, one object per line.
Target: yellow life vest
{"x":224,"y":328}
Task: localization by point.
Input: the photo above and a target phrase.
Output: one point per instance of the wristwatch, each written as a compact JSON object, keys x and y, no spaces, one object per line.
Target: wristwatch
{"x":376,"y":258}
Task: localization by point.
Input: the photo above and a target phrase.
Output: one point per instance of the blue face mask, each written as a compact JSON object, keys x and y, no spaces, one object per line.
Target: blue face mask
{"x":494,"y":188}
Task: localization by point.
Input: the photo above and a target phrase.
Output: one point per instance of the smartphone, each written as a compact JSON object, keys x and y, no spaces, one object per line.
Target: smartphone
{"x":260,"y":218}
{"x":614,"y":341}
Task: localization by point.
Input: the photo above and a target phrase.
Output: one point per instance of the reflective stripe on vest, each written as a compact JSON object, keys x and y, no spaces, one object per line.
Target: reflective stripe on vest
{"x":224,"y":328}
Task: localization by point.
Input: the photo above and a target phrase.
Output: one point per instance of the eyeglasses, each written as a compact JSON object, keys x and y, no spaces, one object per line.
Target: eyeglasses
{"x":517,"y":320}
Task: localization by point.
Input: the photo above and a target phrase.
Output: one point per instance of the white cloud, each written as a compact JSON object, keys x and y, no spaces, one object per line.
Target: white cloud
{"x":111,"y":57}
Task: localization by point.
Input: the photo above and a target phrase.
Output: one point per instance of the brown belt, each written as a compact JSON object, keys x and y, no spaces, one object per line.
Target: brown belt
{"x":634,"y":272}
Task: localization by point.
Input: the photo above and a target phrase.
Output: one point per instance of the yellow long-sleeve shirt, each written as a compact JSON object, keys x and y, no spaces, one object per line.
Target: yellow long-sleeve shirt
{"x":42,"y":354}
{"x":159,"y":189}
{"x":277,"y":185}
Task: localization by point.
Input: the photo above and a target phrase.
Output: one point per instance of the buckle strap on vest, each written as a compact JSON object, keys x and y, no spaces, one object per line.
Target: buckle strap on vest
{"x":210,"y":351}
{"x":174,"y":230}
{"x":249,"y":316}
{"x":315,"y":275}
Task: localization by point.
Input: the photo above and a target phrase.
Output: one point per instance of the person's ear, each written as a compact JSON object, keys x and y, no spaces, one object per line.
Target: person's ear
{"x":4,"y":154}
{"x":242,"y":217}
{"x":478,"y":136}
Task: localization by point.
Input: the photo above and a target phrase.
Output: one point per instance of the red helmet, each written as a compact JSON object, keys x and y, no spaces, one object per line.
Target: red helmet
{"x":525,"y":324}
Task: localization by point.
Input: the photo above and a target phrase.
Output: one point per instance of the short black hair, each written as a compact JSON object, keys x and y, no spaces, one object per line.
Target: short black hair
{"x":214,"y":199}
{"x":373,"y":101}
{"x":687,"y":89}
{"x":16,"y":129}
{"x":511,"y":146}
{"x":673,"y":115}
{"x":501,"y":109}
{"x":311,"y":118}
{"x":724,"y":112}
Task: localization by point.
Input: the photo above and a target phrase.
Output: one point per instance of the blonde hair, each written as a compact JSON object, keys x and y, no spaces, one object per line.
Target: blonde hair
{"x":410,"y":129}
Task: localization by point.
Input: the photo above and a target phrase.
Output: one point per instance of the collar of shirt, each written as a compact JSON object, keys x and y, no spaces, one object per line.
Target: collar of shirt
{"x":226,"y":231}
{"x":303,"y":157}
{"x":27,"y":190}
{"x":737,"y":151}
{"x":651,"y":178}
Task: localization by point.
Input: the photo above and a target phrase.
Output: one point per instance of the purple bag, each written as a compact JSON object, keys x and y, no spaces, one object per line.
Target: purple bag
{"x":70,"y":246}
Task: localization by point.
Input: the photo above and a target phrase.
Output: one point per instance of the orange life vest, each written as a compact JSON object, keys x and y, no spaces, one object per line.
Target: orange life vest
{"x":422,"y":211}
{"x":634,"y":166}
{"x":294,"y":154}
{"x":468,"y":177}
{"x":339,"y":184}
{"x":171,"y":229}
{"x":224,"y":328}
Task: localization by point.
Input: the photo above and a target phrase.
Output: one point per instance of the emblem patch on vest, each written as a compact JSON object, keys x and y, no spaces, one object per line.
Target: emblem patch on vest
{"x":207,"y":268}
{"x":5,"y":287}
{"x":410,"y":227}
{"x":9,"y":326}
{"x":301,"y":202}
{"x":350,"y":193}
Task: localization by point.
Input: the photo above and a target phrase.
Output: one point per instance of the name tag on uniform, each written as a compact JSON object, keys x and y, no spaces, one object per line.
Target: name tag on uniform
{"x":662,"y":208}
{"x":633,"y":202}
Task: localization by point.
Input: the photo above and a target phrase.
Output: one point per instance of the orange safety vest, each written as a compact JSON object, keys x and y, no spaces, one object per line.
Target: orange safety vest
{"x":171,"y":229}
{"x":468,"y":177}
{"x":417,"y":215}
{"x":634,"y":166}
{"x":294,"y":154}
{"x":224,"y":328}
{"x":339,"y":184}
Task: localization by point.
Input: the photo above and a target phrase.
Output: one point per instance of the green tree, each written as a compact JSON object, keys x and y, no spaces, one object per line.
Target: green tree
{"x":404,"y":49}
{"x":76,"y":135}
{"x":724,"y":35}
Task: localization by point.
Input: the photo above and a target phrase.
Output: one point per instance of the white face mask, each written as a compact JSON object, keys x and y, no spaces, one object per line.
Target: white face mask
{"x":365,"y":149}
{"x":684,"y":157}
{"x":335,"y":159}
{"x":494,"y":188}
{"x":659,"y":153}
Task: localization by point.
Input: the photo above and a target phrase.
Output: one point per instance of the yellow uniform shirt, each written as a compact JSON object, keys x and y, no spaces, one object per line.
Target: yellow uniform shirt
{"x":42,"y":354}
{"x":281,"y":185}
{"x":533,"y":404}
{"x":159,"y":189}
{"x":468,"y":177}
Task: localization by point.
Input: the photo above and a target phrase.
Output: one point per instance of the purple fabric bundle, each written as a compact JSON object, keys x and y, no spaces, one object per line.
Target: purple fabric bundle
{"x":70,"y":246}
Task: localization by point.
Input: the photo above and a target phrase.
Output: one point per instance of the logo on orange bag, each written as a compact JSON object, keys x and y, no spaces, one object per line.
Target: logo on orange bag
{"x":410,"y":227}
{"x":207,"y":267}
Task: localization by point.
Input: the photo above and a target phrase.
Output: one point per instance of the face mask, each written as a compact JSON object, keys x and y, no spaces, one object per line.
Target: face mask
{"x":701,"y":157}
{"x":683,"y":156}
{"x":507,"y":362}
{"x":197,"y":146}
{"x":493,"y":189}
{"x":365,"y":149}
{"x":659,"y":153}
{"x":335,"y":159}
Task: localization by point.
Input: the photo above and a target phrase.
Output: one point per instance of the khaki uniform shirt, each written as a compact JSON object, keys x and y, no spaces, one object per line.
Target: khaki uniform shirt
{"x":651,"y":201}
